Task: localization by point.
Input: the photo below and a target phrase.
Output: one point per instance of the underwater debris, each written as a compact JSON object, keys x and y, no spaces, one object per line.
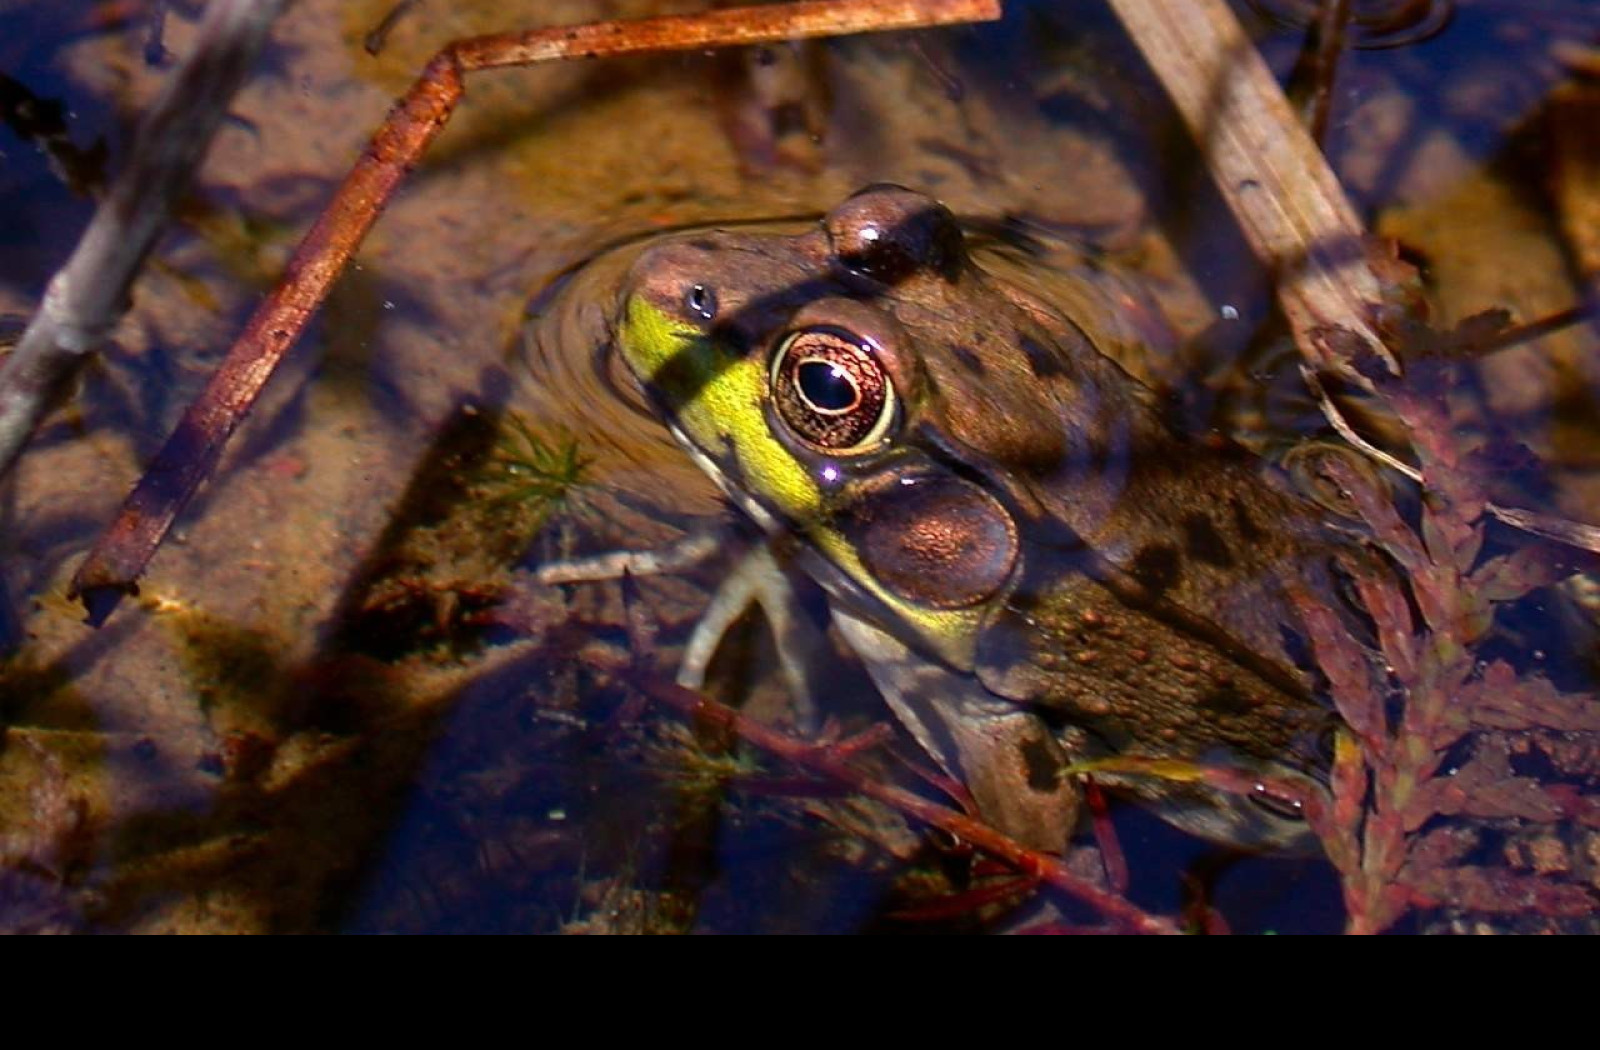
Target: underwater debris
{"x":41,"y":860}
{"x":485,"y":493}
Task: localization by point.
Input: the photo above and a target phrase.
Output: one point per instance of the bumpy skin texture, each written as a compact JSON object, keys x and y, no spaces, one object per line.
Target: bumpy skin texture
{"x":1026,"y":553}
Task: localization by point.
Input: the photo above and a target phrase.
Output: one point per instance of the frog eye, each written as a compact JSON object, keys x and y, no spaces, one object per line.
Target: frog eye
{"x":1283,"y":808}
{"x":832,"y":391}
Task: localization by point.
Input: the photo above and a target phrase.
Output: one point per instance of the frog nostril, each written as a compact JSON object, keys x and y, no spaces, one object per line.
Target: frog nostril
{"x":890,"y":234}
{"x":702,"y":302}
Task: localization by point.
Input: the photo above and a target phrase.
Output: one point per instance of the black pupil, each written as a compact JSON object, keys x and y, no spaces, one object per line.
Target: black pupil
{"x":827,"y":387}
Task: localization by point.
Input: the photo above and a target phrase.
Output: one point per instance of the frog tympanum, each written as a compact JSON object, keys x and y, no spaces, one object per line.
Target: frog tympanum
{"x":1033,"y":566}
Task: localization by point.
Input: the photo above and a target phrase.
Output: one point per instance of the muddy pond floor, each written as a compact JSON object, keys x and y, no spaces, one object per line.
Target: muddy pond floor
{"x":342,"y":703}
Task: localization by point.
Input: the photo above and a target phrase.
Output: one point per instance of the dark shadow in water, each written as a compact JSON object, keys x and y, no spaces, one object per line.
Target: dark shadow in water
{"x":11,"y":636}
{"x":395,"y":624}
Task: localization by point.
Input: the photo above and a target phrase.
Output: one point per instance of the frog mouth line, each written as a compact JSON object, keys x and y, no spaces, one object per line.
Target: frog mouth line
{"x":763,"y":516}
{"x":781,"y":532}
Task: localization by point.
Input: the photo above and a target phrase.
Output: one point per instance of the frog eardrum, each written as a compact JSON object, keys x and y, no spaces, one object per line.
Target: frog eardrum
{"x":932,"y":540}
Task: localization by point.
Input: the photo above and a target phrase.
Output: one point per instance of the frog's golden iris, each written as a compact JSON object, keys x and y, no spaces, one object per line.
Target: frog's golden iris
{"x":831,"y":390}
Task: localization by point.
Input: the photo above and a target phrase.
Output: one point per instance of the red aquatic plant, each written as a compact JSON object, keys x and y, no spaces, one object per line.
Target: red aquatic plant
{"x":1432,"y":803}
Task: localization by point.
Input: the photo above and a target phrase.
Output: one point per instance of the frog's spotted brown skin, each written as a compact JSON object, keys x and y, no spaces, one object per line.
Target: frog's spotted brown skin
{"x":1016,"y":544}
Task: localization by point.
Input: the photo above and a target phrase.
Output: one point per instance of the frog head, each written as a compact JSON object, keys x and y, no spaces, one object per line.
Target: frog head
{"x":863,"y":388}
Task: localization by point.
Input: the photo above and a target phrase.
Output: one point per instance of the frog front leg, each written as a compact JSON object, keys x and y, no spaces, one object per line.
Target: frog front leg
{"x":760,"y":580}
{"x":1004,"y":753}
{"x":757,"y":579}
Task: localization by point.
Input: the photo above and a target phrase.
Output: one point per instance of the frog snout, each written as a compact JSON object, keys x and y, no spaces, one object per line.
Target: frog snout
{"x":673,"y":277}
{"x":892,"y":234}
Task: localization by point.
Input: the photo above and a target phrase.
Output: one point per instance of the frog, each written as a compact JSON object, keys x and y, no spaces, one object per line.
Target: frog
{"x":1038,"y":569}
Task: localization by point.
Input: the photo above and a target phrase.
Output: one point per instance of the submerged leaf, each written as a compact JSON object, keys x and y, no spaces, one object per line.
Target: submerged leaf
{"x":1407,"y":833}
{"x":1345,"y":662}
{"x":1349,"y":783}
{"x":1517,"y":574}
{"x":1501,"y":700}
{"x":1489,"y":791}
{"x":1378,"y":512}
{"x":1495,"y":891}
{"x":1441,"y":847}
{"x":1452,"y":535}
{"x":1391,"y":613}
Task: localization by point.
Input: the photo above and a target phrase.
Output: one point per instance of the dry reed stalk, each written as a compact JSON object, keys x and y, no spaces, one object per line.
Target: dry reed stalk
{"x":88,"y":296}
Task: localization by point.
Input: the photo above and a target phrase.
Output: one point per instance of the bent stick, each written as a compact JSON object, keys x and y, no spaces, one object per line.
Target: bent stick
{"x":191,"y":454}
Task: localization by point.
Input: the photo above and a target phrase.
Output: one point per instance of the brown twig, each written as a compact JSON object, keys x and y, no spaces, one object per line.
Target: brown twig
{"x":375,"y":41}
{"x":88,"y":296}
{"x":1521,"y":334}
{"x":191,"y":454}
{"x":834,"y":764}
{"x":1331,"y":24}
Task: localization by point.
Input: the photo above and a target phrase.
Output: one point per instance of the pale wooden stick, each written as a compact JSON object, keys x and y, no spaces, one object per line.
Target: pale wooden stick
{"x":89,"y":295}
{"x":1290,"y":205}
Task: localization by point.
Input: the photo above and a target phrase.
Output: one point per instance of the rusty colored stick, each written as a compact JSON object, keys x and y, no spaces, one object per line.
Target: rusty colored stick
{"x":835,"y":765}
{"x":1288,"y":202}
{"x":731,"y":27}
{"x":1535,"y":330}
{"x":191,"y":454}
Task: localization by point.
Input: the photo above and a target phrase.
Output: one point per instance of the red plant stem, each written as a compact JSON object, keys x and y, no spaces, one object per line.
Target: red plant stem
{"x":1013,"y":891}
{"x":190,"y":456}
{"x":1105,"y":835}
{"x":831,"y":763}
